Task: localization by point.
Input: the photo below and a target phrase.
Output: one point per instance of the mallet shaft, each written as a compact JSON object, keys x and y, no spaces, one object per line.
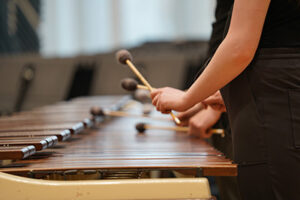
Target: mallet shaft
{"x":142,"y":87}
{"x":145,"y":82}
{"x":139,"y":75}
{"x":183,"y":129}
{"x":124,"y":114}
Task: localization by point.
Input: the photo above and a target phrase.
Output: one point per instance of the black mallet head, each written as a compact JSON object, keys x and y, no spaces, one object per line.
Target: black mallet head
{"x":140,"y":127}
{"x":123,"y":55}
{"x":129,"y":84}
{"x":97,"y":111}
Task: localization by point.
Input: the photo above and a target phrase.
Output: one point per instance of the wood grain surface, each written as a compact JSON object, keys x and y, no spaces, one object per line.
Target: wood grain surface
{"x":111,"y":144}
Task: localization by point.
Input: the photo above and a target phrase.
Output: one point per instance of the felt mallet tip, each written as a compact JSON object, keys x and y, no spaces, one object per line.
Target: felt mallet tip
{"x":123,"y":55}
{"x":129,"y":84}
{"x":97,"y":111}
{"x":140,"y":127}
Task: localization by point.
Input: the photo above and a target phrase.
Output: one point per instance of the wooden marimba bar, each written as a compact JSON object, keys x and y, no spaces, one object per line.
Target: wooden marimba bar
{"x":25,"y":133}
{"x":62,"y":140}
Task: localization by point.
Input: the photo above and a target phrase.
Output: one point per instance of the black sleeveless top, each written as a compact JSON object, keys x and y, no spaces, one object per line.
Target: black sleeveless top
{"x":282,"y":25}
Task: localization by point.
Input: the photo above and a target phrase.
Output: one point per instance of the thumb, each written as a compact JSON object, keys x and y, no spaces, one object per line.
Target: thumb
{"x":154,"y":92}
{"x":210,"y":100}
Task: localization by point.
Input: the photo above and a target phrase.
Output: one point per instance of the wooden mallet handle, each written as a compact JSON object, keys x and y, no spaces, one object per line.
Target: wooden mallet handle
{"x":142,"y":87}
{"x":183,"y":129}
{"x":145,"y":82}
{"x":98,"y":111}
{"x":138,"y":74}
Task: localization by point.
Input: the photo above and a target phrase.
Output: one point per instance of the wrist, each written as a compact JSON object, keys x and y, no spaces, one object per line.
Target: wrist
{"x":186,"y":101}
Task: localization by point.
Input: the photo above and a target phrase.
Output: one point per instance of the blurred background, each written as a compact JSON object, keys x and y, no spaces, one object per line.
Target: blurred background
{"x":54,"y":50}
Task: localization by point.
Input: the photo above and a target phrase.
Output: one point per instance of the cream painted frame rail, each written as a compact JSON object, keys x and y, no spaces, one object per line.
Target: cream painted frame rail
{"x":20,"y":188}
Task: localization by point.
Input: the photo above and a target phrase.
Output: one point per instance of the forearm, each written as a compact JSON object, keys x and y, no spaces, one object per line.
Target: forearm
{"x":227,"y":63}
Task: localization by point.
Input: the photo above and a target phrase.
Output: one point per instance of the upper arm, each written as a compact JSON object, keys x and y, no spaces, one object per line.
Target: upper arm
{"x":247,"y":22}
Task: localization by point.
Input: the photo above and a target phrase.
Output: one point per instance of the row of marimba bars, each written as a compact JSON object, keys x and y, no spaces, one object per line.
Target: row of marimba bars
{"x":25,"y":133}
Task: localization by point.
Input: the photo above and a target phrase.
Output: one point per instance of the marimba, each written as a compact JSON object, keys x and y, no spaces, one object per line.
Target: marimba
{"x":63,"y":142}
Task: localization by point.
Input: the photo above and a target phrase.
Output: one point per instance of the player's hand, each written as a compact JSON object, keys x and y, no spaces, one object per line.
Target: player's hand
{"x":215,"y":101}
{"x":167,"y":99}
{"x":201,"y":123}
{"x":185,"y":116}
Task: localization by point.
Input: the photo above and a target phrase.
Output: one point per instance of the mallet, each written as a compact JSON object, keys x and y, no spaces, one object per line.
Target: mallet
{"x":124,"y":57}
{"x":142,"y":127}
{"x":130,"y":84}
{"x":99,"y":112}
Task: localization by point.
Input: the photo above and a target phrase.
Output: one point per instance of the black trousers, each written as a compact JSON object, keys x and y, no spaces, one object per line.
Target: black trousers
{"x":227,"y":186}
{"x":263,"y":104}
